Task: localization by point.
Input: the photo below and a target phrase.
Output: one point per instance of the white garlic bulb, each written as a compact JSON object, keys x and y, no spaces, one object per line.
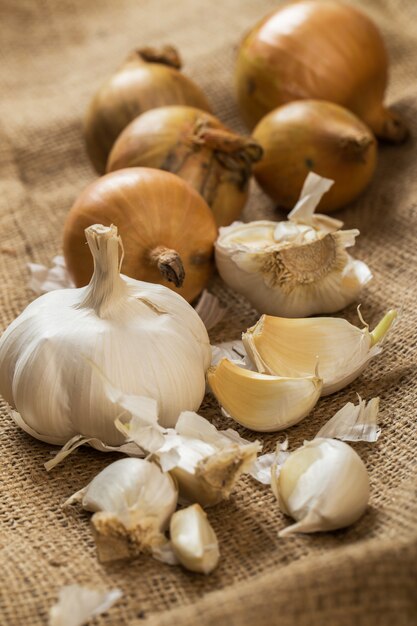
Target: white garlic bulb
{"x":323,"y":485}
{"x":130,"y":497}
{"x":295,"y":268}
{"x":294,"y":347}
{"x":145,"y":338}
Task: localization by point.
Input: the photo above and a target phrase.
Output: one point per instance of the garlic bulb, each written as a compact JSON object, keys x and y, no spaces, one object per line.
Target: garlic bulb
{"x":295,"y":268}
{"x":262,"y":402}
{"x":323,"y":485}
{"x":292,"y":347}
{"x":130,"y":498}
{"x":145,"y":338}
{"x":193,"y":540}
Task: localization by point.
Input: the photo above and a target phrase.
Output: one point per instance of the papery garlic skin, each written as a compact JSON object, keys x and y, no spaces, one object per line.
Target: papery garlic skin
{"x":324,"y":485}
{"x":294,"y":347}
{"x":131,"y":496}
{"x":76,"y":605}
{"x":145,"y":338}
{"x":193,"y":540}
{"x":262,"y":402}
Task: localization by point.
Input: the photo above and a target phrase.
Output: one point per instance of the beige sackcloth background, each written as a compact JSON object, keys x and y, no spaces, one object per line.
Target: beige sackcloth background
{"x":54,"y":54}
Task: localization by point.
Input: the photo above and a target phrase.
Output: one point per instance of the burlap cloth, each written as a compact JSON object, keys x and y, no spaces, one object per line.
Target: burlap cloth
{"x":53,"y":55}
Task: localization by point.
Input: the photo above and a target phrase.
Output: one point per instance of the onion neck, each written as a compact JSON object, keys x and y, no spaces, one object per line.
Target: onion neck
{"x":387,"y":125}
{"x":165,"y":55}
{"x":169,"y":264}
{"x":106,"y":287}
{"x":231,"y":149}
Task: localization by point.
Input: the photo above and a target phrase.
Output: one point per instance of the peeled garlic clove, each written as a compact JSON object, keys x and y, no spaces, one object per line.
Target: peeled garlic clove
{"x":193,"y":540}
{"x":262,"y":402}
{"x":323,"y":485}
{"x":292,"y":347}
{"x":131,"y":498}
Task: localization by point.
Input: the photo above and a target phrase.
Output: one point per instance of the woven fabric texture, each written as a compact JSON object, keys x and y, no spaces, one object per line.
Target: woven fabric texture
{"x":54,"y":54}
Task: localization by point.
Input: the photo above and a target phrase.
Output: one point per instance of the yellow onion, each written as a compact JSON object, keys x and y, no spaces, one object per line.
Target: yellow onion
{"x":149,"y":78}
{"x":313,"y":135}
{"x":167,"y":229}
{"x":316,"y":49}
{"x":196,"y":146}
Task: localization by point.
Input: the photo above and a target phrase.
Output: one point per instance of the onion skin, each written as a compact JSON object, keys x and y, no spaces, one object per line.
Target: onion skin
{"x":148,"y":79}
{"x":197,"y":147}
{"x":317,"y":49}
{"x":312,"y":135}
{"x":154,"y":212}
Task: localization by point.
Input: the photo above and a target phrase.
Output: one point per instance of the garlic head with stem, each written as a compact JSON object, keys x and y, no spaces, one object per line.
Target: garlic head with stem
{"x":147,"y":339}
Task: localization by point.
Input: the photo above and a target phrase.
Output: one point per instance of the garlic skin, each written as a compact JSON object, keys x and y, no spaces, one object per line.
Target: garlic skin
{"x":263,"y":402}
{"x":145,"y":338}
{"x":76,"y":605}
{"x":294,"y":347}
{"x":205,"y":463}
{"x":354,"y":422}
{"x":324,"y":485}
{"x":295,"y":268}
{"x":132,"y":498}
{"x":193,"y":540}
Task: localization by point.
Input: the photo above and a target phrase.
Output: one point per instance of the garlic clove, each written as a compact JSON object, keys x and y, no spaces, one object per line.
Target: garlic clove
{"x":354,"y":422}
{"x":323,"y":485}
{"x":262,"y":402}
{"x":193,"y":540}
{"x":131,"y":498}
{"x":292,"y":347}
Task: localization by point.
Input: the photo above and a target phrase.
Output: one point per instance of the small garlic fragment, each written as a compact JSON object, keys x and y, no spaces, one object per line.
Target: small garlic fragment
{"x":291,"y":347}
{"x":76,"y":605}
{"x":193,"y":540}
{"x":262,"y":402}
{"x":323,"y":485}
{"x":262,"y":468}
{"x":130,"y":498}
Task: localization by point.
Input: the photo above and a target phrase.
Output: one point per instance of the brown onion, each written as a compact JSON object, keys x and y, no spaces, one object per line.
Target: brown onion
{"x":316,"y":49}
{"x":166,"y":227}
{"x":312,"y":135}
{"x":195,"y":146}
{"x":149,"y":78}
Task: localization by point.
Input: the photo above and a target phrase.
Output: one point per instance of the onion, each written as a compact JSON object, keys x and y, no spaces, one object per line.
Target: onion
{"x":166,"y":227}
{"x":312,"y":135}
{"x":196,"y":146}
{"x":149,"y":78}
{"x":317,"y":49}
